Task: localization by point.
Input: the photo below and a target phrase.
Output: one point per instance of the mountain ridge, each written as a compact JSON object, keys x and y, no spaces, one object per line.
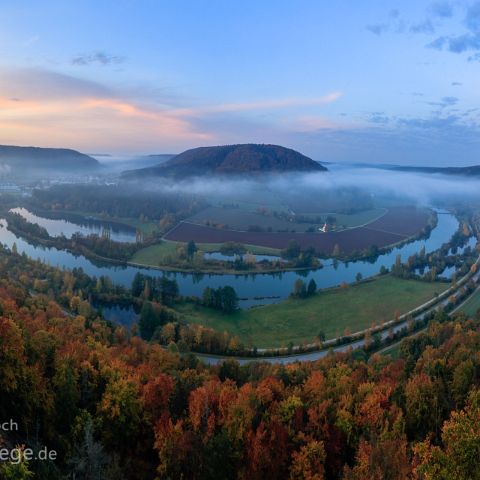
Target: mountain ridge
{"x":470,"y":170}
{"x":45,"y":158}
{"x":230,"y":159}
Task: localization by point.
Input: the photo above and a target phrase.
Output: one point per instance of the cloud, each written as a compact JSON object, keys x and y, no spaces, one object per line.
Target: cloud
{"x":435,"y":139}
{"x":378,"y":28}
{"x":423,"y":27}
{"x":472,"y":19}
{"x":458,"y":44}
{"x":469,"y":41}
{"x":394,"y":23}
{"x":432,"y":124}
{"x":379,"y":118}
{"x":5,"y":169}
{"x":474,"y":58}
{"x":438,"y":43}
{"x":441,"y":9}
{"x":312,"y":123}
{"x":424,"y":189}
{"x":97,"y":58}
{"x":38,"y":105}
{"x":258,"y":105}
{"x":464,"y":42}
{"x":41,"y":84}
{"x":445,"y":102}
{"x":44,"y":107}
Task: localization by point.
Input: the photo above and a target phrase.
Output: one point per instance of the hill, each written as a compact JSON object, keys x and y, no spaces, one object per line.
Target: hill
{"x":470,"y":171}
{"x":63,"y":159}
{"x":230,"y":160}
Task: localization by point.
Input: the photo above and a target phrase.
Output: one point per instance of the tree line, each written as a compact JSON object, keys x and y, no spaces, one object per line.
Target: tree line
{"x":115,"y":407}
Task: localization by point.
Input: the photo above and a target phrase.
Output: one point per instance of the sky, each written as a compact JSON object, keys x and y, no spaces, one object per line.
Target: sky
{"x":344,"y":81}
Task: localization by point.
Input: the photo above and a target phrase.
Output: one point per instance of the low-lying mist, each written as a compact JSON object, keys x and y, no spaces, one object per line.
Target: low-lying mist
{"x":406,"y":187}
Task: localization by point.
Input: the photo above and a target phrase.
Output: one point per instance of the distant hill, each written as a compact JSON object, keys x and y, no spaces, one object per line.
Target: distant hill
{"x":139,"y":162}
{"x":230,"y":160}
{"x":157,"y":158}
{"x":36,"y":158}
{"x":470,"y":171}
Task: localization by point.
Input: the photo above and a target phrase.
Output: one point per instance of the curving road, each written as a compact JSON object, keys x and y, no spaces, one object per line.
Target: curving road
{"x":434,"y":304}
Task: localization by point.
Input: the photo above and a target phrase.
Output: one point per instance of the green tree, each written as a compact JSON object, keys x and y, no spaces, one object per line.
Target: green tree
{"x":168,"y":290}
{"x":292,"y":251}
{"x":208,"y":297}
{"x":458,"y":457}
{"x":138,"y":284}
{"x":16,"y":470}
{"x":312,"y":287}
{"x":150,"y":320}
{"x":299,"y":289}
{"x":191,"y":249}
{"x":229,"y":299}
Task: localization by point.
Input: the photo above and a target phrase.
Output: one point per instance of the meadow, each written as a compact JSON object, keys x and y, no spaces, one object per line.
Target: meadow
{"x":332,"y":312}
{"x":472,"y":305}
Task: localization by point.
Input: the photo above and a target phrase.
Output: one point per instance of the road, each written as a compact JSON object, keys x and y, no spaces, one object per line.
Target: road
{"x":330,"y":346}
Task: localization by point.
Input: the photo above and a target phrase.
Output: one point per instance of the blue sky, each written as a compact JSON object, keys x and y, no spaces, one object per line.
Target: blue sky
{"x":379,"y":81}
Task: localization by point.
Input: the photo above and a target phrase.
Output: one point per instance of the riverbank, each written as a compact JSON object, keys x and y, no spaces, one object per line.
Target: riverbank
{"x":387,"y":332}
{"x":147,"y":253}
{"x":248,"y":287}
{"x":333,"y":313}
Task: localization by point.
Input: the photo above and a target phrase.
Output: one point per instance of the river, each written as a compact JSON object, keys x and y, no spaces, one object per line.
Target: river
{"x":253,"y":289}
{"x":89,"y":226}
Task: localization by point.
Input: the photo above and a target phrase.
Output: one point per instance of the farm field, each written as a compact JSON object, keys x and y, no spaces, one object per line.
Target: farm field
{"x":396,"y":225}
{"x":472,"y":305}
{"x":155,"y":254}
{"x":330,"y":311}
{"x":241,"y":219}
{"x":405,"y":221}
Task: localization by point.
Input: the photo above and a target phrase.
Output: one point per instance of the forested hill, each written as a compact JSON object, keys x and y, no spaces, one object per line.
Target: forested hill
{"x":231,"y":160}
{"x":45,"y":158}
{"x":471,"y":171}
{"x":110,"y":403}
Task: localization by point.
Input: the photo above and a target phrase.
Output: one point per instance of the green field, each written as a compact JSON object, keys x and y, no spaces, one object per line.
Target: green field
{"x":471,"y":306}
{"x":357,"y":219}
{"x":331,"y":311}
{"x":241,"y":219}
{"x":156,"y":254}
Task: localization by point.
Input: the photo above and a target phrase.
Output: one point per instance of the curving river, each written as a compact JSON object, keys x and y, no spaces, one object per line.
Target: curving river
{"x":57,"y":227}
{"x":253,"y":289}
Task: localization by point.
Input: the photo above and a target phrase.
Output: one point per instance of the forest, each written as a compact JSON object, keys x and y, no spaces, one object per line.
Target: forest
{"x":113,"y":406}
{"x":117,"y":201}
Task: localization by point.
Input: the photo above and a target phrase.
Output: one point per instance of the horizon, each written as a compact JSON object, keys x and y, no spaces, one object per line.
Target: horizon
{"x":395,"y":84}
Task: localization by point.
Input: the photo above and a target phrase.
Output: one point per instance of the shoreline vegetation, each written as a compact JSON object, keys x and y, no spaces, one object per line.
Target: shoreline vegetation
{"x":278,"y":351}
{"x":194,"y":265}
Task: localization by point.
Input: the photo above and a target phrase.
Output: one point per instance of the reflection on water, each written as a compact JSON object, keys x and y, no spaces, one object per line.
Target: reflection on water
{"x":117,"y":314}
{"x":59,"y":227}
{"x":231,"y":258}
{"x":472,"y":242}
{"x":247,"y":286}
